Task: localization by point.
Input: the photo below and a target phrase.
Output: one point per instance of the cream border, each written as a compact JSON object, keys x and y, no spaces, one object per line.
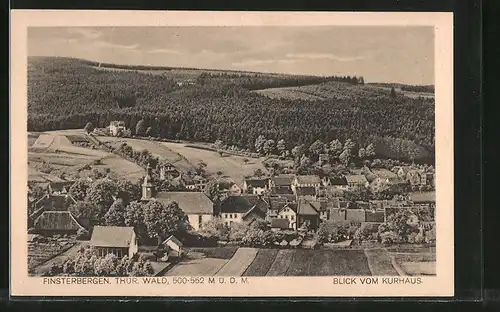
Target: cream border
{"x":441,"y":285}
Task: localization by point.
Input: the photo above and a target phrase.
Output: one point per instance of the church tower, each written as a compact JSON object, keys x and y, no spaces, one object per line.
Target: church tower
{"x":147,"y":185}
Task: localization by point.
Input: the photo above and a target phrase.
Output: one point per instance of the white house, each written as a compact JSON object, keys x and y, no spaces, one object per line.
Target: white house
{"x":243,"y":208}
{"x":356,"y":181}
{"x":116,"y":127}
{"x":303,"y":181}
{"x":118,"y":240}
{"x":256,"y":186}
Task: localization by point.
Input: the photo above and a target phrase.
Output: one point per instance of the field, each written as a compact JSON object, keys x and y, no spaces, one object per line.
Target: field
{"x":157,"y":149}
{"x":232,"y":167}
{"x":334,"y":90}
{"x":52,"y":155}
{"x":289,"y":262}
{"x":415,"y":263}
{"x":39,"y":253}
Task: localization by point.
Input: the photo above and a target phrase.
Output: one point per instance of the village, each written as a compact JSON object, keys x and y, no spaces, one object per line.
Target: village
{"x":278,"y":209}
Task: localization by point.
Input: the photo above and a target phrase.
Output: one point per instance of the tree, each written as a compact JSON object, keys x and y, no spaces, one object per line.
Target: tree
{"x":370,"y":150}
{"x":134,"y":216}
{"x":281,"y":146}
{"x":128,"y":191}
{"x":219,"y":174}
{"x":163,"y":220}
{"x":89,"y":127}
{"x":245,"y":160}
{"x":393,"y":92}
{"x":102,"y":194}
{"x":140,"y":128}
{"x":215,"y":228}
{"x":86,"y":210}
{"x":298,"y":151}
{"x":345,"y":157}
{"x":218,"y":144}
{"x":259,"y":144}
{"x":116,"y":214}
{"x":149,"y":132}
{"x":317,"y":148}
{"x":79,"y":189}
{"x":335,"y":148}
{"x":305,"y":161}
{"x":269,"y":147}
{"x":258,"y":173}
{"x":349,"y":145}
{"x":361,"y":153}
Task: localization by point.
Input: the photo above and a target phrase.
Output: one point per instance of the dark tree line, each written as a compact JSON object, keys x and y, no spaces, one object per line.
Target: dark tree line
{"x":65,"y":94}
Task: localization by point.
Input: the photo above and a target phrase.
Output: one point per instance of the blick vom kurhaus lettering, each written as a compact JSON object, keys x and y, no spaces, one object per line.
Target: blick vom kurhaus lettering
{"x":76,"y":280}
{"x":376,"y":280}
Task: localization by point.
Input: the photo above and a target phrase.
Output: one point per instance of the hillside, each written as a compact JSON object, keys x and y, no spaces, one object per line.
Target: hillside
{"x":67,"y":93}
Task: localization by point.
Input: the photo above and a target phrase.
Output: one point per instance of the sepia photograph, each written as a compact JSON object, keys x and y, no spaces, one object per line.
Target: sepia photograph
{"x":231,"y":151}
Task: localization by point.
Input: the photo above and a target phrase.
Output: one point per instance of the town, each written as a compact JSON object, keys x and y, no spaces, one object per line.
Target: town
{"x":329,"y":196}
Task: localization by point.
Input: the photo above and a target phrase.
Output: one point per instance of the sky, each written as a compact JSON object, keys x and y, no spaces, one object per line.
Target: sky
{"x":379,"y":54}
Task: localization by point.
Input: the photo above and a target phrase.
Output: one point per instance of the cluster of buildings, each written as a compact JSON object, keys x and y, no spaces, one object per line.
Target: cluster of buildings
{"x":286,"y":201}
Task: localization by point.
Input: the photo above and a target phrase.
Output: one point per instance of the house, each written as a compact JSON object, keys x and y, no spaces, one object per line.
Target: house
{"x":196,"y":205}
{"x":379,"y":184}
{"x":49,"y":202}
{"x":116,"y":127}
{"x":281,"y":184}
{"x":299,"y":213}
{"x":197,"y":183}
{"x":57,"y":222}
{"x":289,"y":212}
{"x":423,"y":198}
{"x":174,"y":245}
{"x":256,"y":186}
{"x":336,"y":183}
{"x":416,"y":177}
{"x":59,"y":188}
{"x":118,"y":240}
{"x":234,"y":189}
{"x":243,"y":208}
{"x":400,"y":172}
{"x":356,"y":181}
{"x":307,"y":191}
{"x":168,"y":171}
{"x":301,"y":181}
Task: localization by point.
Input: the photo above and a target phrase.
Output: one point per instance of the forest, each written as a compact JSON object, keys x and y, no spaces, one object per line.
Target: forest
{"x":67,"y":93}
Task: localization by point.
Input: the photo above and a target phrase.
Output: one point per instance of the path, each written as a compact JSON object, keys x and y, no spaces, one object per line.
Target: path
{"x":239,"y":262}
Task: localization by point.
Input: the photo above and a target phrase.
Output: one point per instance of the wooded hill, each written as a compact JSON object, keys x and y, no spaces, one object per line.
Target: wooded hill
{"x":67,"y":93}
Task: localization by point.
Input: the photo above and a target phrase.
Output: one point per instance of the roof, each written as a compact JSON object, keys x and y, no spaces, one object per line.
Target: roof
{"x":258,"y":201}
{"x":306,"y":209}
{"x":279,"y":223}
{"x":308,"y":179}
{"x":338,"y":181}
{"x":279,"y":201}
{"x":384,"y":173}
{"x":112,"y":236}
{"x":356,"y":178}
{"x":189,"y":202}
{"x":282,"y":180}
{"x":256,"y":182}
{"x":308,"y":190}
{"x":254,"y":210}
{"x":58,"y":186}
{"x":423,"y":197}
{"x":57,"y":221}
{"x":293,"y":206}
{"x":235,"y":204}
{"x":173,"y":239}
{"x":319,"y":205}
{"x":55,"y":202}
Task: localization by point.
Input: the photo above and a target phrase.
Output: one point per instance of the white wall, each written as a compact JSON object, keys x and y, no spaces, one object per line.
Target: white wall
{"x":193,"y":220}
{"x":234,"y":217}
{"x":133,"y":246}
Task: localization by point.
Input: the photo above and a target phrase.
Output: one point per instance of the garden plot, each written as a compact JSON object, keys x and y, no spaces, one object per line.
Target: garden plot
{"x":379,"y":262}
{"x":280,"y":265}
{"x":262,"y":262}
{"x":239,"y":262}
{"x":328,"y":263}
{"x":422,"y":263}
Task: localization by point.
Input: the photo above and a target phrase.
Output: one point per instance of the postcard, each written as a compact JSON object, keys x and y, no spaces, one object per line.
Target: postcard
{"x":231,"y":154}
